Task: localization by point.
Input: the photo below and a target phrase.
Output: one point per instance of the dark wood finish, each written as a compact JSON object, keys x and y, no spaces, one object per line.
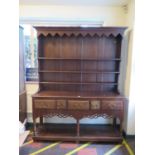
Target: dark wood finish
{"x":78,"y":77}
{"x":22,"y":93}
{"x":54,"y":132}
{"x":22,"y":106}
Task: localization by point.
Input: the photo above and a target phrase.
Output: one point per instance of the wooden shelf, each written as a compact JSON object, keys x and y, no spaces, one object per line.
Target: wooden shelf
{"x":80,"y":59}
{"x":79,"y":72}
{"x":68,"y":132}
{"x":78,"y":83}
{"x":75,"y":94}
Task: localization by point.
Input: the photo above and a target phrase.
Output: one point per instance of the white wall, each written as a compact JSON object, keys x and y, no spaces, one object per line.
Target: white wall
{"x":111,"y":16}
{"x":130,"y":74}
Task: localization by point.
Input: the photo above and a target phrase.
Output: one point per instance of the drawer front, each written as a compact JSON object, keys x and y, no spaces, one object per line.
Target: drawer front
{"x":95,"y":105}
{"x":113,"y":105}
{"x":45,"y":104}
{"x":78,"y":105}
{"x":61,"y":104}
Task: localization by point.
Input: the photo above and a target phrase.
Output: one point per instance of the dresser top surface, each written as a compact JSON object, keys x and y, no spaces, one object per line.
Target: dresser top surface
{"x":67,"y":94}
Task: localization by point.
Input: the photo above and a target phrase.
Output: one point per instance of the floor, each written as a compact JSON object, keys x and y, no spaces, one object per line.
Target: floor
{"x":63,"y":148}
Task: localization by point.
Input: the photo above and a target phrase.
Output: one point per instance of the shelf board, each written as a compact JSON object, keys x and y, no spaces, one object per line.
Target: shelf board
{"x":74,"y":94}
{"x":78,"y":83}
{"x":68,"y":132}
{"x":79,"y":72}
{"x":87,"y":59}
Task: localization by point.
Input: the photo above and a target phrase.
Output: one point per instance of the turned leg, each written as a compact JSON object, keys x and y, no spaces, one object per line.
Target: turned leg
{"x":121,"y":126}
{"x":34,"y":126}
{"x":78,"y":130}
{"x":41,"y":120}
{"x":114,"y":122}
{"x":78,"y":127}
{"x":121,"y":129}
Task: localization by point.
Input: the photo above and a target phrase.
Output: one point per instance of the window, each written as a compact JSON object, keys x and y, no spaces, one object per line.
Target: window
{"x":30,"y":45}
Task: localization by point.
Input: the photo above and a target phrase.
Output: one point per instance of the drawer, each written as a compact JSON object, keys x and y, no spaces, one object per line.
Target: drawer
{"x":45,"y":104}
{"x":78,"y":105}
{"x":61,"y":104}
{"x":115,"y":105}
{"x":95,"y":105}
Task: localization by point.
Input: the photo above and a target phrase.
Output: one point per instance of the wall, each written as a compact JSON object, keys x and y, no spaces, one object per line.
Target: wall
{"x":129,"y":88}
{"x":112,"y":16}
{"x":60,"y":15}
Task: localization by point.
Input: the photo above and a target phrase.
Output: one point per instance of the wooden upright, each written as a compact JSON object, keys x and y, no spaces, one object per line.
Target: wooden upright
{"x":78,"y":77}
{"x":22,"y":91}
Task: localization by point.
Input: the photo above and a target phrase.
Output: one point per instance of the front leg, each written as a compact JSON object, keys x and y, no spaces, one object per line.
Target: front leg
{"x":34,"y":126}
{"x":114,"y":122}
{"x":41,"y":120}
